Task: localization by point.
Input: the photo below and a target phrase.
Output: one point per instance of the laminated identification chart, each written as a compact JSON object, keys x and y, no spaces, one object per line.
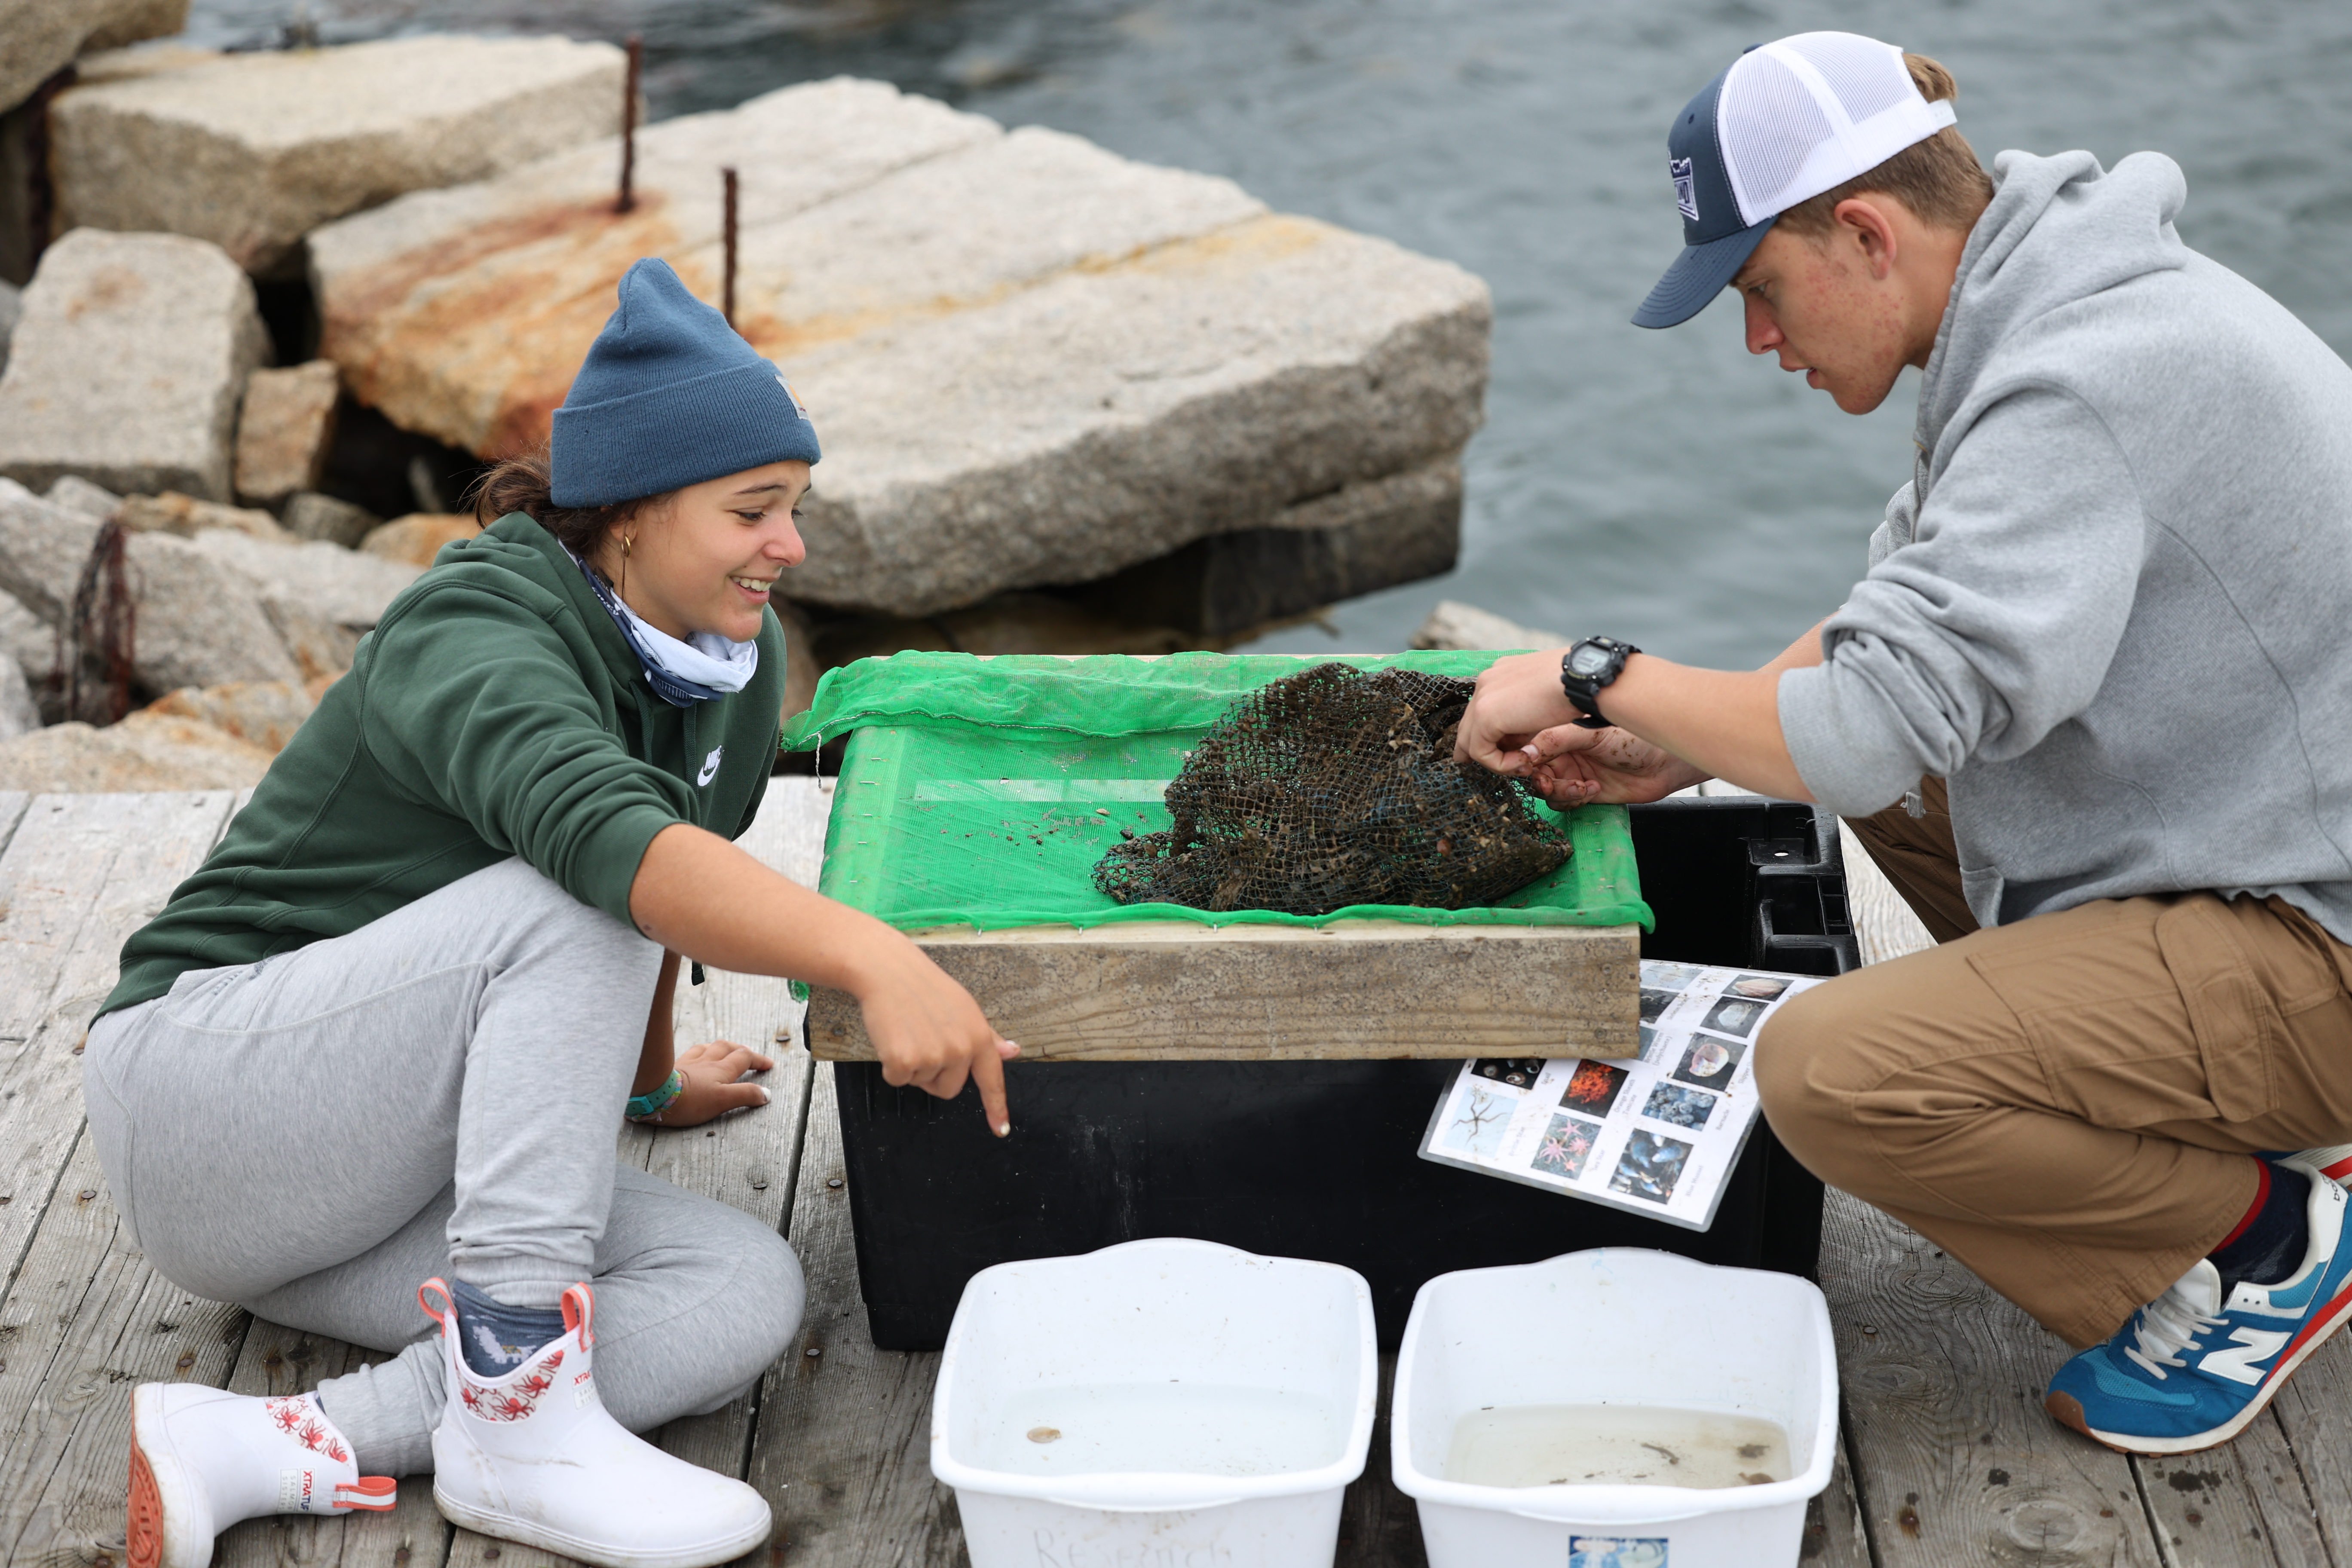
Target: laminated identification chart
{"x":1657,"y":1135}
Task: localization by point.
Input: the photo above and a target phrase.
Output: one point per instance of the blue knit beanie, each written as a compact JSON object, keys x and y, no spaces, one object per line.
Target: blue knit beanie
{"x":669,"y":396}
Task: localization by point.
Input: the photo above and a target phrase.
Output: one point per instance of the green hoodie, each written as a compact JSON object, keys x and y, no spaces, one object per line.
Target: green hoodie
{"x":495,"y":710}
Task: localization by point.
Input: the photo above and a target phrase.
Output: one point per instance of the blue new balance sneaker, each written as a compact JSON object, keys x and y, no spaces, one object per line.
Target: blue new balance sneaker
{"x":2190,"y":1368}
{"x":2334,"y":1161}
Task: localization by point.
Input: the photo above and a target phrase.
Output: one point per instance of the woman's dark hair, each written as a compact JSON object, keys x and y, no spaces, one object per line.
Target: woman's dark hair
{"x":523,"y":483}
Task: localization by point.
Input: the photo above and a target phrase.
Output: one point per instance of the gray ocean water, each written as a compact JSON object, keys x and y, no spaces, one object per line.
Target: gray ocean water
{"x":1662,"y":487}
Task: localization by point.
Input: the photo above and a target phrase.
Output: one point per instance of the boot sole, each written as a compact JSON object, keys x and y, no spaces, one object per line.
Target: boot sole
{"x":143,"y":1531}
{"x":2067,"y":1411}
{"x":150,"y":1518}
{"x":705,"y":1555}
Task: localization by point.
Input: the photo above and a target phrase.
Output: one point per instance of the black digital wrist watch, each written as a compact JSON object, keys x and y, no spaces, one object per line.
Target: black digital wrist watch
{"x":1587,"y":666}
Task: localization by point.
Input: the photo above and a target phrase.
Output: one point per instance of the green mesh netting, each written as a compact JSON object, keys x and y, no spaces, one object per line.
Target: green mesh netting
{"x":983,"y":791}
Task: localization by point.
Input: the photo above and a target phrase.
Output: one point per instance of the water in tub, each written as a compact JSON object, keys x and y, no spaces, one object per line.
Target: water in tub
{"x":1615,"y":1445}
{"x":1180,"y":1427}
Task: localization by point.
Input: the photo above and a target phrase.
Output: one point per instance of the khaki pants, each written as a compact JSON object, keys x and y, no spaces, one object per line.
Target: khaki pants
{"x":2065,"y":1104}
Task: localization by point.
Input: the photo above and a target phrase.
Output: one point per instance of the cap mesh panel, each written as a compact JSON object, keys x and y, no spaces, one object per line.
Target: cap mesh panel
{"x":1334,"y":787}
{"x":1770,"y":126}
{"x":1867,"y":76}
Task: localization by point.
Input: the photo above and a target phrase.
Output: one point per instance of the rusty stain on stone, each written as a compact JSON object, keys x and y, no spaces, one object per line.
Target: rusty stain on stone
{"x":509,"y":310}
{"x":509,"y":307}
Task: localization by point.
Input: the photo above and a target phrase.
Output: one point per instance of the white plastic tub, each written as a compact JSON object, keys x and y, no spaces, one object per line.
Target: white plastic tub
{"x":1158,"y":1405}
{"x":1638,"y":1331}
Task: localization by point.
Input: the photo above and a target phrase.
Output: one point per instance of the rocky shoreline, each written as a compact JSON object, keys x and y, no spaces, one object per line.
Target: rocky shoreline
{"x":1070,"y":402}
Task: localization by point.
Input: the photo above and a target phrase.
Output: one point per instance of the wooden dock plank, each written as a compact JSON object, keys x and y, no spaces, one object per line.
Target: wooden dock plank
{"x":2313,"y":1413}
{"x":88,"y":1320}
{"x":81,"y":873}
{"x":1883,"y":925}
{"x":843,"y":1450}
{"x":1955,"y":1460}
{"x":1834,"y":1536}
{"x":2242,"y":1505}
{"x":83,"y":1314}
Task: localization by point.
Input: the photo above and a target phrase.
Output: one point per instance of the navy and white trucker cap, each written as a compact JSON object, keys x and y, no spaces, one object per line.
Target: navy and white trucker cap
{"x":1786,"y":121}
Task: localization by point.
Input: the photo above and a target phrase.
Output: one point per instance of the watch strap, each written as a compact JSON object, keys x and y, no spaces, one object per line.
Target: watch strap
{"x":1584,"y":692}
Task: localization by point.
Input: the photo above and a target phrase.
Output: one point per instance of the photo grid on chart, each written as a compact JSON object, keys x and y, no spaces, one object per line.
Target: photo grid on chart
{"x":1657,"y":1135}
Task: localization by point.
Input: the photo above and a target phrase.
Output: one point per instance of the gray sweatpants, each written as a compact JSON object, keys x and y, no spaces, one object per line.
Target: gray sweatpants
{"x":315,"y":1135}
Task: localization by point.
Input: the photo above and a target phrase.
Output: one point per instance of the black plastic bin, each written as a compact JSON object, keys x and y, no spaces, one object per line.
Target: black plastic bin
{"x":1318,"y":1159}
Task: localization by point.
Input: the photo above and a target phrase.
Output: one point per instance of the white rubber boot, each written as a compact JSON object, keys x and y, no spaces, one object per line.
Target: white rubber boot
{"x":203,"y":1460}
{"x":532,"y":1455}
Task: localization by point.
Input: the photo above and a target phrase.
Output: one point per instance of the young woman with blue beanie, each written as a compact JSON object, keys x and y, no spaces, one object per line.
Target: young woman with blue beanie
{"x":374,"y":1052}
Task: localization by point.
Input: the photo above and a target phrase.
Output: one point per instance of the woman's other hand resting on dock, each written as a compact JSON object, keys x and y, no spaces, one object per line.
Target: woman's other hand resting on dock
{"x":713,"y":1075}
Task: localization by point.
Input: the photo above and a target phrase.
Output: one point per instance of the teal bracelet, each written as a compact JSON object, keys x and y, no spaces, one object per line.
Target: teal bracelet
{"x":646,"y":1107}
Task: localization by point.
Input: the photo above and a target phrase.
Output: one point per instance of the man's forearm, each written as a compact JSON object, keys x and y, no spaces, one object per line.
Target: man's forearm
{"x":1805,"y":652}
{"x":1725,"y":722}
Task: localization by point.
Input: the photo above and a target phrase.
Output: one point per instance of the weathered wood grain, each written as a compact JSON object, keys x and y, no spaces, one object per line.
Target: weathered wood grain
{"x":1833,"y":1535}
{"x":88,"y":1320}
{"x":2314,"y":1414}
{"x":1955,"y":1459}
{"x":81,"y":873}
{"x":1883,"y":925}
{"x":83,"y":1315}
{"x":843,"y":1450}
{"x":1172,"y":990}
{"x":2242,"y":1505}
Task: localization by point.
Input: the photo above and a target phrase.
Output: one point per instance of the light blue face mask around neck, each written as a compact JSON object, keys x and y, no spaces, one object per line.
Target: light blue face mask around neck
{"x":681,"y":673}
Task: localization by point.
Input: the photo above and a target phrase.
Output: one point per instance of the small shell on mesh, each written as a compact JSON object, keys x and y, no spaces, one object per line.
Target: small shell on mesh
{"x":1334,"y":787}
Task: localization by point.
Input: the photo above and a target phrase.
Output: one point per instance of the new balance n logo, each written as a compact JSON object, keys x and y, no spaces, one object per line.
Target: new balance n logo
{"x":2236,"y":1361}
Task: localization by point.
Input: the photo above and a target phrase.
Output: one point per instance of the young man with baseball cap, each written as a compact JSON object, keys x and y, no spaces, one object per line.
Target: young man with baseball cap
{"x":2089,"y":710}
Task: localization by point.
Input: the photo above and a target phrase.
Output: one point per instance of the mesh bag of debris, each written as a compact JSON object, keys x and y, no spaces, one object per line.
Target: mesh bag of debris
{"x":982,"y":793}
{"x":1333,"y":787}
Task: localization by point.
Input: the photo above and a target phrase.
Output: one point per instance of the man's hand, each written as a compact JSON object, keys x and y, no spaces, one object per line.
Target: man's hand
{"x":929,"y":1033}
{"x":1518,"y":699}
{"x":1722,"y":724}
{"x":1577,"y":767}
{"x":713,"y":1072}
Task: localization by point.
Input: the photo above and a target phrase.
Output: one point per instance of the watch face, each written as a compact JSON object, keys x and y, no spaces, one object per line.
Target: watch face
{"x":1588,"y":661}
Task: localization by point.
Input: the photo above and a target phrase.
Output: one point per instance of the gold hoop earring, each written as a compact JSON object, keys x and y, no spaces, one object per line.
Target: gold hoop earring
{"x":625,"y":541}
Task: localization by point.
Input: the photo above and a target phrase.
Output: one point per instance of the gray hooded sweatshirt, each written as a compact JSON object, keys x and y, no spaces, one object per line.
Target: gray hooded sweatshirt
{"x":2111,"y":607}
